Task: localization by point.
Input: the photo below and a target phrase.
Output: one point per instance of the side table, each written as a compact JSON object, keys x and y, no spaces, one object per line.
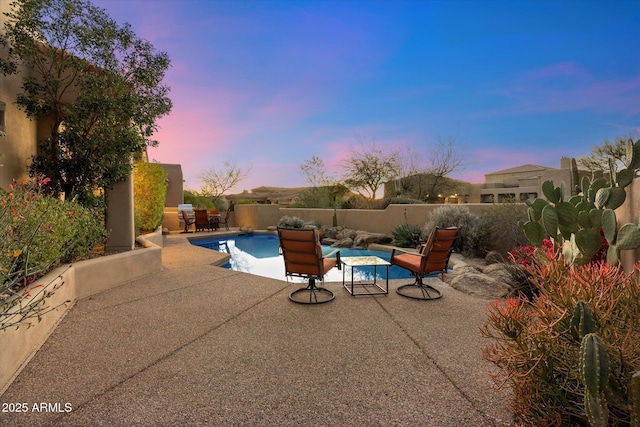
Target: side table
{"x":372,"y":288}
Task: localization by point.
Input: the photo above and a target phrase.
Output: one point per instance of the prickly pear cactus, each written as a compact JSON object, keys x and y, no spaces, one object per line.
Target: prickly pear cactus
{"x":576,"y":224}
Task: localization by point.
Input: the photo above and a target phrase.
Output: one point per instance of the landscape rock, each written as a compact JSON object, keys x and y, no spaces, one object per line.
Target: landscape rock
{"x":481,"y":285}
{"x":343,"y":243}
{"x":246,"y":230}
{"x":364,"y":239}
{"x":499,"y":271}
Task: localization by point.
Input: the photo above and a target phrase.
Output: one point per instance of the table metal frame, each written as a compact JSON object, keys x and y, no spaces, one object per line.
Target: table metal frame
{"x":365,"y":261}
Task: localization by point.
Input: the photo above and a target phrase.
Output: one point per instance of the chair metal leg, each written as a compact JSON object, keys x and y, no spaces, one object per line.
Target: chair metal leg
{"x":312,"y":294}
{"x":419,"y":290}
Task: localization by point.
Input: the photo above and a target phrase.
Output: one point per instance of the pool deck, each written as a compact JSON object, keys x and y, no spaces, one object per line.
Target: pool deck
{"x":196,"y":344}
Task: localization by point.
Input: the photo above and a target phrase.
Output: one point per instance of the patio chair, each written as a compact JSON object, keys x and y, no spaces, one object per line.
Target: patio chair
{"x":225,"y":221}
{"x":201,"y":220}
{"x":214,"y":218}
{"x":187,"y":221}
{"x":303,"y":257}
{"x":433,"y":258}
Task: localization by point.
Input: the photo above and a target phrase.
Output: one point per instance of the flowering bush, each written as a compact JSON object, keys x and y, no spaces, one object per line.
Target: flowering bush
{"x":526,"y":255}
{"x":38,"y":233}
{"x":538,"y":354}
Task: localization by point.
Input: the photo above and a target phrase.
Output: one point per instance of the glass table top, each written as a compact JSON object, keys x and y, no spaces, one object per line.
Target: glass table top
{"x":363,"y":261}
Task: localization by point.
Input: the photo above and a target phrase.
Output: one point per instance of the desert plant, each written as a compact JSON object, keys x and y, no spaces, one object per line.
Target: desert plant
{"x":407,"y":235}
{"x":539,"y":344}
{"x":290,"y":222}
{"x":473,"y":228}
{"x":579,"y":223}
{"x":504,"y":234}
{"x":149,"y":194}
{"x":38,"y":233}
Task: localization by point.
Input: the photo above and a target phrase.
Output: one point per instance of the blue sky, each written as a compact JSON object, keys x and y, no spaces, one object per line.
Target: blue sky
{"x":268,"y":84}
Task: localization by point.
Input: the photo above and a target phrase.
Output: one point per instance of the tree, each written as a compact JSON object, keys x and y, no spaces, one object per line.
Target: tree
{"x":95,"y":84}
{"x":598,"y":160}
{"x":314,"y":171}
{"x":368,"y":166}
{"x":320,"y":195}
{"x":218,"y":181}
{"x":425,"y":180}
{"x":444,"y":159}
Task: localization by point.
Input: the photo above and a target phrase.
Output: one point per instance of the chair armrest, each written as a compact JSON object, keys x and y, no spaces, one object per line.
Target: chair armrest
{"x":403,"y":251}
{"x":337,"y":252}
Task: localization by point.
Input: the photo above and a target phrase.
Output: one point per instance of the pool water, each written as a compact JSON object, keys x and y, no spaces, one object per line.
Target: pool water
{"x":258,"y":254}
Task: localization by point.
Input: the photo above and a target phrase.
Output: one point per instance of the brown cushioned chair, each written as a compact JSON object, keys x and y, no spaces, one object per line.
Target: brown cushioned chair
{"x":433,"y":258}
{"x":303,"y":257}
{"x":187,"y":221}
{"x":225,"y":221}
{"x":202,"y":220}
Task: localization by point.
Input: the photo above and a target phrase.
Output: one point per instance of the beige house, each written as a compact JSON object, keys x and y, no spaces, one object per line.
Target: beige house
{"x":525,"y":182}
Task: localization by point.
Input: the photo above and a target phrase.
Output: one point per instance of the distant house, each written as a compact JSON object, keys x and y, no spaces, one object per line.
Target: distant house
{"x":518,"y":183}
{"x":525,"y":182}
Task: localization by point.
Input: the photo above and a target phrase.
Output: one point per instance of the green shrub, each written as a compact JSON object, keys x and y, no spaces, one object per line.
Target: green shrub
{"x":38,"y":233}
{"x":473,"y":228}
{"x":149,"y":194}
{"x":403,"y":200}
{"x":503,"y":232}
{"x":538,"y":351}
{"x":407,"y":236}
{"x":197,"y":201}
{"x":290,"y":222}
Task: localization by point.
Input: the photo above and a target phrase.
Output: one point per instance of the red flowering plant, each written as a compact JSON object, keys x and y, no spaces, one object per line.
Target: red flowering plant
{"x":38,"y":233}
{"x":528,"y":255}
{"x":536,"y":352}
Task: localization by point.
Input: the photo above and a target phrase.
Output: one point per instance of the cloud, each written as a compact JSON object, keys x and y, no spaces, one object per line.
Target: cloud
{"x":565,"y":87}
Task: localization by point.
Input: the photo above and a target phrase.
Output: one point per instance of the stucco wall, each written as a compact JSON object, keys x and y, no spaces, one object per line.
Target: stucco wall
{"x":378,"y":221}
{"x":19,"y":145}
{"x":175,"y":191}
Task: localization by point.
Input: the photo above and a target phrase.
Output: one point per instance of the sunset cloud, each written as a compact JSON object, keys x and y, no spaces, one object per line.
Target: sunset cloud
{"x":269,"y":84}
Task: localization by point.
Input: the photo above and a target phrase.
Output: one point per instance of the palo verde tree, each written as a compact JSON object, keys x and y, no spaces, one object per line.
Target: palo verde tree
{"x":369,"y":166}
{"x":217,"y":181}
{"x":95,"y":84}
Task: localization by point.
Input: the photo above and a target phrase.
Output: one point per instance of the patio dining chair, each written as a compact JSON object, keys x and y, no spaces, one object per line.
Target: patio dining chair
{"x":433,"y":258}
{"x":188,"y":220}
{"x":202,"y":220}
{"x":303,"y":257}
{"x":225,"y":220}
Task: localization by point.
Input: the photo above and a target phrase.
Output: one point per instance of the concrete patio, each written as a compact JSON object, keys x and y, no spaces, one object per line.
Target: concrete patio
{"x":197,"y":344}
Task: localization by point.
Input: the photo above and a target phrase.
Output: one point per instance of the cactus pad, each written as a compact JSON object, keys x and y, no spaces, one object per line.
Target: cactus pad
{"x":609,"y":225}
{"x":628,"y":237}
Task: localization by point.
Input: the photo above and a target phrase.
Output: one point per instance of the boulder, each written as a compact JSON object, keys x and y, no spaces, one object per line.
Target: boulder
{"x":499,"y":271}
{"x":346,"y":233}
{"x":343,"y":243}
{"x":481,"y":285}
{"x":364,"y":239}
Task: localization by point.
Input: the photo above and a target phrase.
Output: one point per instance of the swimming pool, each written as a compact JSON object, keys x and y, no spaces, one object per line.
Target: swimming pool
{"x":257,"y":253}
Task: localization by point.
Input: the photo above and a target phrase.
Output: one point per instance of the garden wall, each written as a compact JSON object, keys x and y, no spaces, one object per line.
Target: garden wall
{"x":384,"y":221}
{"x":78,"y":280}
